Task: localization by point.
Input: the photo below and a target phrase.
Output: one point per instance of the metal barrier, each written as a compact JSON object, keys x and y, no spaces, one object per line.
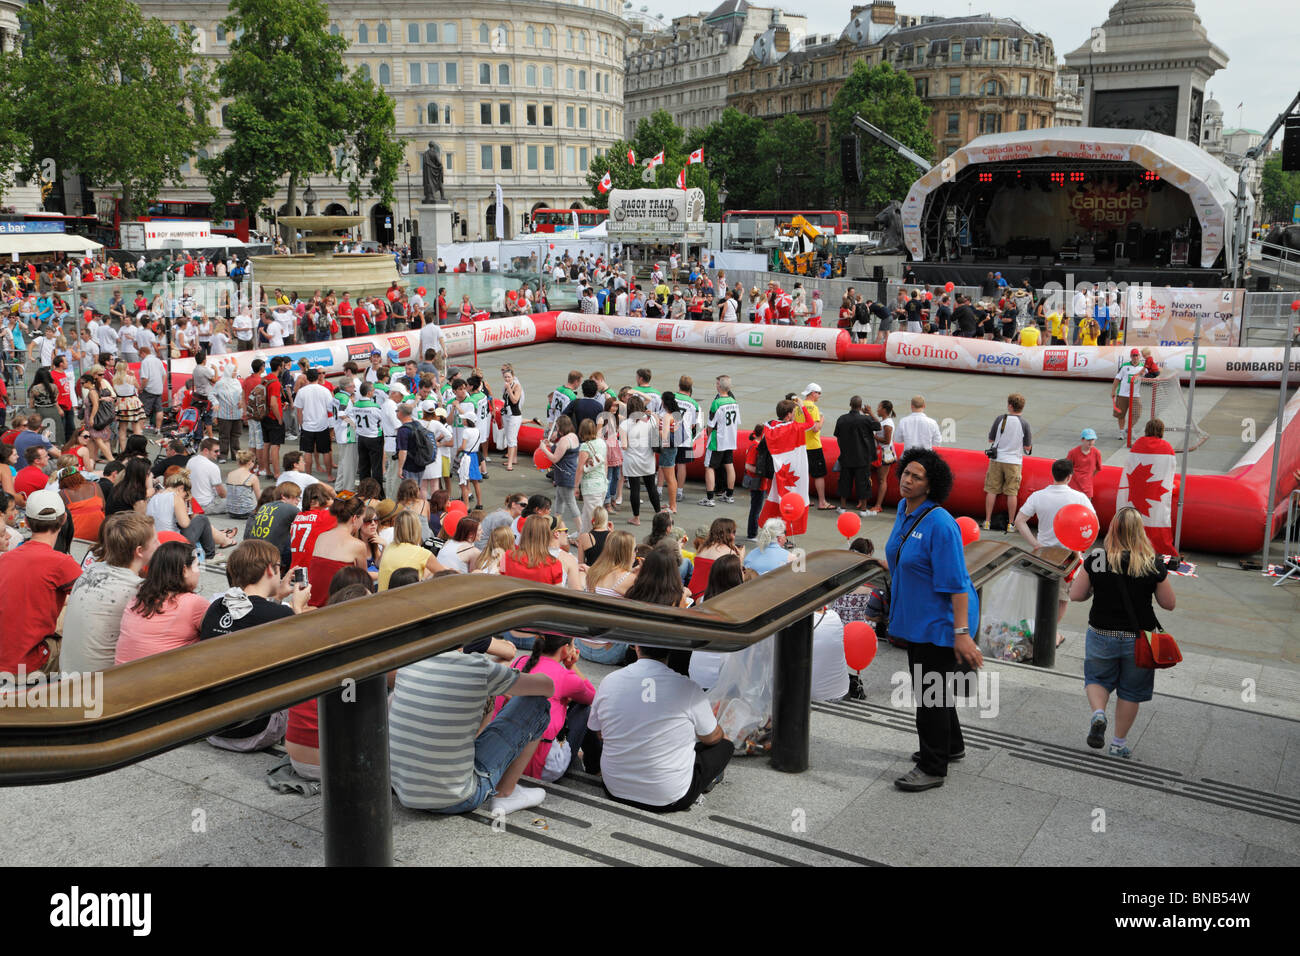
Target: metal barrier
{"x":1291,"y":540}
{"x":1267,"y":319}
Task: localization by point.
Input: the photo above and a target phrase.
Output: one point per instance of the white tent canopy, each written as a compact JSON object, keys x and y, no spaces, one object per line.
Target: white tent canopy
{"x":1209,"y":184}
{"x":36,"y":243}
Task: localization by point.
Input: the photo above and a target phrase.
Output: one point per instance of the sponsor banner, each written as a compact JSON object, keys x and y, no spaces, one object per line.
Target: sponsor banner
{"x":655,"y":213}
{"x":1213,"y":364}
{"x":1164,"y":316}
{"x":786,"y":340}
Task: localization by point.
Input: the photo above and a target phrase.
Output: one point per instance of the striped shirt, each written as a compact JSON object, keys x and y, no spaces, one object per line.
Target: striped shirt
{"x":433,"y":717}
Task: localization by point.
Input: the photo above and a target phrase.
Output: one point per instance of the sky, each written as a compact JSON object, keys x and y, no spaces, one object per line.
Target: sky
{"x":1261,"y":71}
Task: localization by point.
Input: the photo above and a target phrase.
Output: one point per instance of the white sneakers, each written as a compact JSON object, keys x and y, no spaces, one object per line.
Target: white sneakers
{"x":521,"y":798}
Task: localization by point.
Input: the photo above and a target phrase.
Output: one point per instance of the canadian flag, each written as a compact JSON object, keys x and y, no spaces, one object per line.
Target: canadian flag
{"x":696,"y":157}
{"x":657,"y":159}
{"x":631,"y":158}
{"x":606,"y":183}
{"x":787,"y":445}
{"x":681,"y":179}
{"x":1148,"y":484}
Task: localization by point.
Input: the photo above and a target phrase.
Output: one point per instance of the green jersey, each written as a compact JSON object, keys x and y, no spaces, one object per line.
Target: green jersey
{"x":724,"y":420}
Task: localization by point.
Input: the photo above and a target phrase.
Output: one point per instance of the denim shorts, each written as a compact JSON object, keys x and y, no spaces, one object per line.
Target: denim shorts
{"x":667,"y":457}
{"x":521,"y":721}
{"x":1108,"y":662}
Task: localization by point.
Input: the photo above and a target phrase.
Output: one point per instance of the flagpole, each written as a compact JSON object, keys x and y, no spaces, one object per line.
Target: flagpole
{"x":1277,"y":440}
{"x":1187,"y":432}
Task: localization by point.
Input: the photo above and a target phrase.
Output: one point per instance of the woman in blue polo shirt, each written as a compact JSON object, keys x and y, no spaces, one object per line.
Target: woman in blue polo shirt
{"x":933,"y":607}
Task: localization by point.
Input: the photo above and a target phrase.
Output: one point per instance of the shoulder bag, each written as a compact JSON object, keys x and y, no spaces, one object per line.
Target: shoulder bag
{"x":1152,"y":649}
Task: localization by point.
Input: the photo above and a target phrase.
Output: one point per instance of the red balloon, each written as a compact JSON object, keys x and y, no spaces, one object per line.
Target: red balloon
{"x":392,"y":294}
{"x":1295,"y":305}
{"x":456,"y":504}
{"x":552,"y":245}
{"x":1076,"y":527}
{"x":420,"y":290}
{"x":792,"y":506}
{"x":928,"y":295}
{"x":948,"y":287}
{"x":970,"y":530}
{"x":859,"y":645}
{"x":511,"y":294}
{"x":449,"y":522}
{"x":540,"y":459}
{"x":848,"y":524}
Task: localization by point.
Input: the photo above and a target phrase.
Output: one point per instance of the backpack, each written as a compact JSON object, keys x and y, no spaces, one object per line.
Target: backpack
{"x":419,"y":449}
{"x":257,"y":403}
{"x":322,"y":321}
{"x":763,"y":465}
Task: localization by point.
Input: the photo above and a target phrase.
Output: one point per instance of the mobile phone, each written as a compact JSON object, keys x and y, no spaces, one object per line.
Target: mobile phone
{"x":299,"y":577}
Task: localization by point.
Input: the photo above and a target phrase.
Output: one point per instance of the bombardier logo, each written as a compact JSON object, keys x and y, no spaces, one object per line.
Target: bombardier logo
{"x":1055,"y":360}
{"x":810,"y":346}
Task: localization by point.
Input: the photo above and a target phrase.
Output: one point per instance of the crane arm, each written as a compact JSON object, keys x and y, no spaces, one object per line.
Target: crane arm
{"x":887,"y":140}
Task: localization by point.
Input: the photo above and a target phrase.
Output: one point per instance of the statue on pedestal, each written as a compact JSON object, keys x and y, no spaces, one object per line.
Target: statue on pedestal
{"x":431,"y":168}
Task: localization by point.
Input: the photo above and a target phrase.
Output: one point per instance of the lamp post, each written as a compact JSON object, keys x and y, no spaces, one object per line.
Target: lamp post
{"x":309,"y":197}
{"x":411,"y":241}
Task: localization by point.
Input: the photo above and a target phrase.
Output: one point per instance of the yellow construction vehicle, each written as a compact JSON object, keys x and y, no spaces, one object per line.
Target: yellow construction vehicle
{"x":798,"y":245}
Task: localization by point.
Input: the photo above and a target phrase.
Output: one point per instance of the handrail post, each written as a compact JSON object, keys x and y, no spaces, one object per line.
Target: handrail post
{"x":1047,"y":599}
{"x":358,"y":803}
{"x":792,"y":696}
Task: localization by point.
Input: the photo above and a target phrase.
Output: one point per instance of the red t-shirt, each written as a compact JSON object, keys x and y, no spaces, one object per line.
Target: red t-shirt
{"x":307,"y":526}
{"x":345,"y":317}
{"x":9,"y":436}
{"x":442,"y":309}
{"x":189,"y":270}
{"x":141,"y":303}
{"x":249,"y":384}
{"x":1086,"y":465}
{"x":361,"y":318}
{"x":274,"y":391}
{"x":30,"y":479}
{"x":64,"y":383}
{"x":35,"y":581}
{"x":304,"y":724}
{"x":552,"y":573}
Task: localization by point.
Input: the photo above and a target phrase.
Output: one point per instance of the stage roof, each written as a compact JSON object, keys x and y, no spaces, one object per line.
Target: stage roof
{"x":1209,"y":183}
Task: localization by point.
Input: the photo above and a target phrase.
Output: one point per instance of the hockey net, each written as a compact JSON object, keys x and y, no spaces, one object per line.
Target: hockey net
{"x":1163,"y":397}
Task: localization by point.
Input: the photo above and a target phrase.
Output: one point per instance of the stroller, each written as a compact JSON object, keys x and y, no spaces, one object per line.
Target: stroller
{"x":184,"y":428}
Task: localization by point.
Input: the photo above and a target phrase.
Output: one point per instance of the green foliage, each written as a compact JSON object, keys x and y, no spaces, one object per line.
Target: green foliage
{"x":101,"y":89}
{"x":792,"y":164}
{"x":1279,"y":191}
{"x":654,"y":133}
{"x":295,"y":110}
{"x":731,"y":145}
{"x":887,"y":99}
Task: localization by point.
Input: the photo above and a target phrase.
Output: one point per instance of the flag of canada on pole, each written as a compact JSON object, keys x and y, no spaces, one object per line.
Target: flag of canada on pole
{"x":696,"y":157}
{"x":681,"y":179}
{"x":631,"y":158}
{"x":606,"y":183}
{"x":657,"y":159}
{"x":787,"y":443}
{"x":1147,"y":484}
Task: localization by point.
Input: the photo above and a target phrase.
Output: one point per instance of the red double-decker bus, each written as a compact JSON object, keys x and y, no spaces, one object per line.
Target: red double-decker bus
{"x":827,"y":220}
{"x":552,"y":220}
{"x":232,"y":221}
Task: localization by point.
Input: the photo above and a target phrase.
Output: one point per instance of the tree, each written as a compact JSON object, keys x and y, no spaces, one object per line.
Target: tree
{"x":1279,"y":191}
{"x":792,"y":165}
{"x":887,"y":99}
{"x":100,"y":88}
{"x":654,"y":134}
{"x":295,"y":110}
{"x":731,"y":146}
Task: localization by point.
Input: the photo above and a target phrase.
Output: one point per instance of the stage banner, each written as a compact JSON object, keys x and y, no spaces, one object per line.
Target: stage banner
{"x":1256,"y":366}
{"x":739,"y":339}
{"x":1164,"y":316}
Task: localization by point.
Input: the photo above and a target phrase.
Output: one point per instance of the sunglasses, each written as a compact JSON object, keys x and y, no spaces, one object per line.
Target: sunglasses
{"x":83,"y":437}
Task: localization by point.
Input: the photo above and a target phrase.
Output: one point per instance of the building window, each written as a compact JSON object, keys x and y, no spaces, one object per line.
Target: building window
{"x":449,"y":71}
{"x":221,"y":34}
{"x":582,"y":159}
{"x":568,"y":117}
{"x":548,"y":116}
{"x":507,"y":158}
{"x":381,"y":33}
{"x":446,"y":118}
{"x":546,"y":37}
{"x":923,"y":87}
{"x":530,"y":74}
{"x":431,"y":114}
{"x":548,"y":158}
{"x":548,"y":77}
{"x":530,"y":36}
{"x":501,"y":36}
{"x":582,"y":79}
{"x":365,"y":70}
{"x":449,"y":32}
{"x":412,"y":33}
{"x":598,"y":117}
{"x":503,"y":74}
{"x":413,"y":74}
{"x":530,"y":114}
{"x":532,"y":158}
{"x":485,"y":157}
{"x":431,"y":33}
{"x":485,"y":74}
{"x":570,"y":160}
{"x":990,"y":122}
{"x":1022,"y":121}
{"x":385,"y":75}
{"x":504,"y":110}
{"x":568,"y":39}
{"x":568,"y":79}
{"x":484,"y":36}
{"x":954,"y":86}
{"x":582,"y":42}
{"x":431,"y":73}
{"x":582,"y":117}
{"x":995,"y":49}
{"x":1024,"y":86}
{"x":334,"y":29}
{"x":363,"y":33}
{"x":607,"y":126}
{"x":954,"y":124}
{"x":992,"y":88}
{"x":485,"y":114}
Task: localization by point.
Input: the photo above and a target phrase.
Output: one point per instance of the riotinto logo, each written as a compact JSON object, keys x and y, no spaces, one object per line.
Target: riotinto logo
{"x":77,"y":909}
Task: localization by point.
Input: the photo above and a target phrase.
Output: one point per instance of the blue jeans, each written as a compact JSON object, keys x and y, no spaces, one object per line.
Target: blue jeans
{"x":615,"y":483}
{"x":613,"y":654}
{"x":1108,"y":662}
{"x":521,"y":721}
{"x":756,"y":499}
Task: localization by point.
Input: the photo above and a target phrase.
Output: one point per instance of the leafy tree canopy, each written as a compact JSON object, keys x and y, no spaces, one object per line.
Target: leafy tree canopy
{"x":1279,"y":191}
{"x":887,"y":99}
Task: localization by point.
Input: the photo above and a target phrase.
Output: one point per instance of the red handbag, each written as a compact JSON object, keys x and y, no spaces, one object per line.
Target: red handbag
{"x":1153,"y":650}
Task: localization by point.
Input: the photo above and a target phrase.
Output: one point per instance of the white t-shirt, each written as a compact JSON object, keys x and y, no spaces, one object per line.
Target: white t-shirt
{"x":315,"y":402}
{"x":243,"y":325}
{"x":430,"y":338}
{"x":204,"y":478}
{"x":1045,"y":503}
{"x":153,"y":374}
{"x":275,"y":332}
{"x":1128,"y":377}
{"x":1010,"y":440}
{"x":649,"y":752}
{"x":639,"y":456}
{"x":299,"y":478}
{"x":126,"y":337}
{"x":917,"y":430}
{"x":729,"y":310}
{"x":830,"y":673}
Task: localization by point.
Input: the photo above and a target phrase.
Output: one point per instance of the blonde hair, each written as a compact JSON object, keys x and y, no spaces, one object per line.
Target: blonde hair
{"x":180,"y":478}
{"x":406,"y":528}
{"x":599,"y":516}
{"x":617,"y":555}
{"x":534,"y":549}
{"x":244,"y":456}
{"x":122,"y":374}
{"x":499,"y":542}
{"x":1127,"y":534}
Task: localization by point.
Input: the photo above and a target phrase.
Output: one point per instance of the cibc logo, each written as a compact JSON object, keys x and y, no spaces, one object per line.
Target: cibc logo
{"x":1055,"y":360}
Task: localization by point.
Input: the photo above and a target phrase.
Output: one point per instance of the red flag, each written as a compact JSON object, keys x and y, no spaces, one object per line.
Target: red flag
{"x":681,"y":179}
{"x":631,"y":158}
{"x":657,"y":159}
{"x":696,"y":157}
{"x":605,"y":183}
{"x":787,"y":443}
{"x":1147,"y":484}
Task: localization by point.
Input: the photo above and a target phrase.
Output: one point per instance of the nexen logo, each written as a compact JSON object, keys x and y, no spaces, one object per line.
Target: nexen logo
{"x":631,"y":332}
{"x":998,"y":360}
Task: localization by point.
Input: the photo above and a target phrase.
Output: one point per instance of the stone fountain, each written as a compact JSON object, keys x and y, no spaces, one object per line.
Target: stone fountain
{"x":363,"y":273}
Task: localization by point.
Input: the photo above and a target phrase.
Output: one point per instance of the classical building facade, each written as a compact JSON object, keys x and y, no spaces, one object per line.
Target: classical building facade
{"x":684,"y":67}
{"x":978,"y":74}
{"x":1230,"y":146}
{"x":22,"y":196}
{"x":524,"y":93}
{"x":1146,"y":67}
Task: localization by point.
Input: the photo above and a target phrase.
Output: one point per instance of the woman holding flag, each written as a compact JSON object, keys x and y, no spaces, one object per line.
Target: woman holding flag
{"x":787,"y":443}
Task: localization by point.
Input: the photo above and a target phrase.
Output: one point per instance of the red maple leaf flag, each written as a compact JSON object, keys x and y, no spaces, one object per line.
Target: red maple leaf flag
{"x":696,"y":157}
{"x":785,"y":441}
{"x":657,"y":159}
{"x":1147,"y":484}
{"x":631,"y":158}
{"x":605,"y":184}
{"x":681,"y":179}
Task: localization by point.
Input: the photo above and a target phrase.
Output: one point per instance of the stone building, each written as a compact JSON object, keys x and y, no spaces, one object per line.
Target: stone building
{"x":1230,"y":146}
{"x":22,"y":196}
{"x":683,"y":68}
{"x":978,"y":74}
{"x":521,"y":92}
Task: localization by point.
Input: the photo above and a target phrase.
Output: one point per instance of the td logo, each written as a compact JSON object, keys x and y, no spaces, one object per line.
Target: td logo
{"x":1200,"y":363}
{"x":756,"y":340}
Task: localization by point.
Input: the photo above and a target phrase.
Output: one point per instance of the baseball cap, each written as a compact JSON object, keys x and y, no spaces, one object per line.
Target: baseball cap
{"x":1135,"y":352}
{"x":394,"y":355}
{"x":45,"y":505}
{"x":812,"y":387}
{"x":439,"y":412}
{"x":375,"y":352}
{"x":428,"y":405}
{"x":1088,"y":433}
{"x":467,"y":412}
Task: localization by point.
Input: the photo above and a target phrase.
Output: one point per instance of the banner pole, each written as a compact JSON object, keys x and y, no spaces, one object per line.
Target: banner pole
{"x":1187,"y":432}
{"x":1277,"y":436}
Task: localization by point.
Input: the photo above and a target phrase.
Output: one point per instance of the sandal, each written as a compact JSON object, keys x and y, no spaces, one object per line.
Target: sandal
{"x":635,"y":521}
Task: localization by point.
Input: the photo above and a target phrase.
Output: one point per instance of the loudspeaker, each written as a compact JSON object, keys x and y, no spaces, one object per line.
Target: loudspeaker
{"x":1036,"y":278}
{"x":1262,"y":283}
{"x":850,"y":164}
{"x":1291,"y":145}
